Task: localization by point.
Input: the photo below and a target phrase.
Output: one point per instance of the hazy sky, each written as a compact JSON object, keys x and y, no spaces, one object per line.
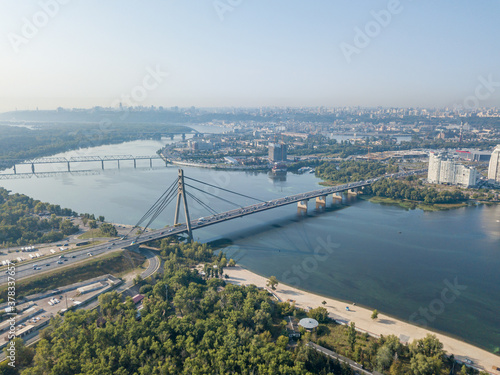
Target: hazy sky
{"x":247,"y":52}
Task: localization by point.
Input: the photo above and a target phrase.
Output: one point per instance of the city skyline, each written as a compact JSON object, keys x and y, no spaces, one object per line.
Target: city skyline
{"x":249,"y":54}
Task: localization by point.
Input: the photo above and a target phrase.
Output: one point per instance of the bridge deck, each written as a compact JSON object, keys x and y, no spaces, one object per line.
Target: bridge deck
{"x":260,"y":207}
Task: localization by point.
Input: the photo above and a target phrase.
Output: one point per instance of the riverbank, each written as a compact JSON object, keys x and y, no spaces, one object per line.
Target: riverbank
{"x":410,"y":205}
{"x":384,"y":325}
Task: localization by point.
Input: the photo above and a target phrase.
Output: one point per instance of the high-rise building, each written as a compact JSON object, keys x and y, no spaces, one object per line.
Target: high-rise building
{"x":277,"y":152}
{"x":494,"y":168}
{"x":445,"y":171}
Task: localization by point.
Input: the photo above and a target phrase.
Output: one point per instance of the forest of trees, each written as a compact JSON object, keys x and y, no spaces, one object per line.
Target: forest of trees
{"x":200,"y":325}
{"x":200,"y":329}
{"x":396,"y":189}
{"x":20,"y":223}
{"x":353,"y":170}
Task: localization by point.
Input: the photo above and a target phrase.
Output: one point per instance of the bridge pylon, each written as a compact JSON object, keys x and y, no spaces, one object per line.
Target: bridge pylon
{"x":181,"y":194}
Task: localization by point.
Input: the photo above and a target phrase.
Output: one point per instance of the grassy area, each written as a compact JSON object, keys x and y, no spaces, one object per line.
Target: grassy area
{"x":115,"y":263}
{"x":93,"y":233}
{"x":410,"y":205}
{"x":334,"y":337}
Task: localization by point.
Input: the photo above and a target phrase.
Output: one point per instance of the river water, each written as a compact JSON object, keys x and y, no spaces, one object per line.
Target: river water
{"x":382,"y":257}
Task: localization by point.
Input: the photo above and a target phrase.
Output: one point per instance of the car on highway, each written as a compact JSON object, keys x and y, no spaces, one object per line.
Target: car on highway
{"x":73,"y":256}
{"x":48,"y":264}
{"x":37,"y":268}
{"x":59,"y":262}
{"x":89,"y":254}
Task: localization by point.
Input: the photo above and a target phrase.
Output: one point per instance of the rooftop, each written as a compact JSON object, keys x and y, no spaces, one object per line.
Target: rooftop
{"x":308,"y":323}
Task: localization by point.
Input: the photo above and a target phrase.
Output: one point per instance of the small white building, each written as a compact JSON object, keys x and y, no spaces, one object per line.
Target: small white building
{"x":308,"y":323}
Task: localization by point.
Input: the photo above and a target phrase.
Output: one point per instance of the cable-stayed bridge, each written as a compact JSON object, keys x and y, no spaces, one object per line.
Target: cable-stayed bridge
{"x":180,"y":190}
{"x":183,"y":190}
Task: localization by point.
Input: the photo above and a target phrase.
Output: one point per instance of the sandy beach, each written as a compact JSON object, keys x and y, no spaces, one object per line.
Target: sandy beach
{"x":384,"y":325}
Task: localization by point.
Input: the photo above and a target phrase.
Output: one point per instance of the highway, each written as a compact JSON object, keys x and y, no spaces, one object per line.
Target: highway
{"x":125,"y":288}
{"x":51,"y":263}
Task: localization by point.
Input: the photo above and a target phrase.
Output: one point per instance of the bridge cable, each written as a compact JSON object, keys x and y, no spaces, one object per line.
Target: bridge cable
{"x":157,"y":203}
{"x":159,"y":210}
{"x":203,"y":204}
{"x":218,"y":187}
{"x":154,"y":208}
{"x":213,"y":195}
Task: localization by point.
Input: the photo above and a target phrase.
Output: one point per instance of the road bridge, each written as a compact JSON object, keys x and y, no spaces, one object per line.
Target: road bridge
{"x":301,"y":200}
{"x":180,"y":190}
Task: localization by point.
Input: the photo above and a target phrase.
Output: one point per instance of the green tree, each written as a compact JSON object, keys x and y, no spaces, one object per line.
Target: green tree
{"x":428,"y":346}
{"x":396,"y":368}
{"x":272,"y":282}
{"x":137,"y":279}
{"x":375,"y":314}
{"x":282,"y":341}
{"x":422,"y":365}
{"x":319,"y":313}
{"x":384,"y":358}
{"x":351,"y":335}
{"x":23,"y":354}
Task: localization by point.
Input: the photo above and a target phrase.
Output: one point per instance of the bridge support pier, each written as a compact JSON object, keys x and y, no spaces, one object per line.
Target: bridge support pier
{"x":102,"y":164}
{"x":14,"y":168}
{"x":353,"y":191}
{"x":302,"y":206}
{"x":33,"y":168}
{"x":320,"y":202}
{"x":69,"y":169}
{"x":181,"y":194}
{"x":150,"y":163}
{"x":135,"y":163}
{"x":337,"y":198}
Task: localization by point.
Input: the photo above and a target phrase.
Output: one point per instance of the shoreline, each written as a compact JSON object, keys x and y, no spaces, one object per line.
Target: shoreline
{"x":384,"y":325}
